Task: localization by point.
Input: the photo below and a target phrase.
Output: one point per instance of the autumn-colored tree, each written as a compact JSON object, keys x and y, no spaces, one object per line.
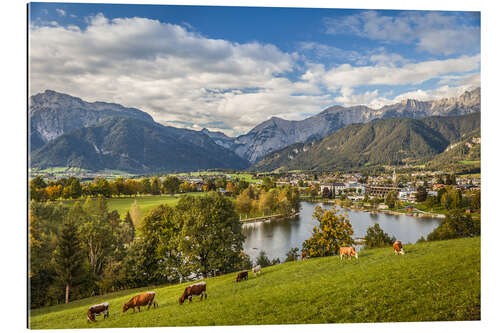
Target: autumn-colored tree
{"x":334,"y":231}
{"x":53,"y":192}
{"x":243,"y":203}
{"x":185,"y":187}
{"x":230,"y":187}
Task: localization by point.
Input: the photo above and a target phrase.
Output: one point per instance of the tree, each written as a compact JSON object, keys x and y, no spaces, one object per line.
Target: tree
{"x":210,"y":238}
{"x":76,"y":189}
{"x":267,"y":201}
{"x":262,"y":259}
{"x":171,"y":185}
{"x":292,"y":255}
{"x":476,"y":200}
{"x":326,"y":193}
{"x":97,"y":234}
{"x":155,"y":186}
{"x":68,"y":258}
{"x":146,"y":185}
{"x":376,"y":237}
{"x":456,"y":225}
{"x":334,"y":231}
{"x":243,"y":203}
{"x":421,"y":194}
{"x":390,"y":199}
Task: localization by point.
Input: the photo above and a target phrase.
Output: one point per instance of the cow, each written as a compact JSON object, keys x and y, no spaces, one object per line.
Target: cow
{"x":97,"y":310}
{"x":348,"y":251}
{"x":257,"y":269}
{"x":242,"y":275}
{"x":398,"y":247}
{"x":196,"y":289}
{"x":303,"y":256}
{"x":141,"y":300}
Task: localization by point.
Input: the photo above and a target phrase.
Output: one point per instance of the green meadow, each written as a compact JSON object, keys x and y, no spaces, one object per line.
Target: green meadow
{"x":433,"y":281}
{"x":146,"y":203}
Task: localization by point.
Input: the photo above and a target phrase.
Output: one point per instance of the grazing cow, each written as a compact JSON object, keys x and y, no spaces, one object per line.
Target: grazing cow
{"x":398,"y":247}
{"x":141,"y":300}
{"x":348,"y":251}
{"x":98,"y":309}
{"x":196,"y":289}
{"x":242,"y":275}
{"x":303,"y":256}
{"x":257,"y":269}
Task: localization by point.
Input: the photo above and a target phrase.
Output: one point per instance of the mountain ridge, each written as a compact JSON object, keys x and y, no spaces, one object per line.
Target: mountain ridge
{"x":390,"y":141}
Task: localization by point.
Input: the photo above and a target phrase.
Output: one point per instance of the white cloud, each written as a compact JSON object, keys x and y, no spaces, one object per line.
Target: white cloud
{"x":433,"y":32}
{"x":61,"y":12}
{"x":183,"y":78}
{"x":176,"y":75}
{"x":410,"y":73}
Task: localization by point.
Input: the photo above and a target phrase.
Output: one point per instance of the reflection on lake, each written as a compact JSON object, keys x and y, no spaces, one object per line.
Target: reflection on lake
{"x":277,"y":238}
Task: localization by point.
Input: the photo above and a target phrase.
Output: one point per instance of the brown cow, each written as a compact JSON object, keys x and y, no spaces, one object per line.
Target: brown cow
{"x":96,"y":310}
{"x":196,"y":289}
{"x":141,"y":300}
{"x":348,"y":251}
{"x":398,"y":247}
{"x":303,"y":256}
{"x":242,"y":275}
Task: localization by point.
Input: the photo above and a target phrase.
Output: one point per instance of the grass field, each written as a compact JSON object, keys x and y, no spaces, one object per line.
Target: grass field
{"x":433,"y":281}
{"x":469,"y":162}
{"x":122,"y":205}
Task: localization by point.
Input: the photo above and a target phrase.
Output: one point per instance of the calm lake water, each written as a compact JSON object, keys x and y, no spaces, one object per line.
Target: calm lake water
{"x":277,"y":238}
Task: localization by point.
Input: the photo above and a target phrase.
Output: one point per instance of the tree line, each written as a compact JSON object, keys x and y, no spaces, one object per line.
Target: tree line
{"x":73,"y":188}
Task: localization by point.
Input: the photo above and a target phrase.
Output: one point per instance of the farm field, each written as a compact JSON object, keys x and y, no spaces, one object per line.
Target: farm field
{"x":433,"y":281}
{"x":146,"y":203}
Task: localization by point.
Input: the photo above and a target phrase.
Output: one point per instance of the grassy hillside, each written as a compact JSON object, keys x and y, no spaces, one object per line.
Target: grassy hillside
{"x":433,"y":281}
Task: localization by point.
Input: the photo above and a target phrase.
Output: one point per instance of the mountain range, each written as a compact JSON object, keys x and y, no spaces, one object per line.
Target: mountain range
{"x":276,"y":133}
{"x":392,"y":141}
{"x":67,"y":131}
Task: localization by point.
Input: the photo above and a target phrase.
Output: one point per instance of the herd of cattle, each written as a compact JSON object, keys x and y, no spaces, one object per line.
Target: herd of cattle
{"x":200,"y":288}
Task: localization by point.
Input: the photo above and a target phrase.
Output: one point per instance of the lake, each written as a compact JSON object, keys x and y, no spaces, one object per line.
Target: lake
{"x":277,"y":238}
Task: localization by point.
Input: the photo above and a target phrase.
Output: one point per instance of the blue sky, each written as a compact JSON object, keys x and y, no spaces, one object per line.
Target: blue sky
{"x":230,"y":68}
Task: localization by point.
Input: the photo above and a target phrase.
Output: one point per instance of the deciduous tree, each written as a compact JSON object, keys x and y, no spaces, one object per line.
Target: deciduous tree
{"x":333,"y":232}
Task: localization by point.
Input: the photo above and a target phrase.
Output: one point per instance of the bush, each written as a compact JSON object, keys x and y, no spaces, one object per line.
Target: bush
{"x":376,"y":237}
{"x":456,"y":225}
{"x":263,"y":260}
{"x":292,"y":255}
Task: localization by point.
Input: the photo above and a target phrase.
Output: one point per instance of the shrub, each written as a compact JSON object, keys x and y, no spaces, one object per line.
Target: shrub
{"x":376,"y":237}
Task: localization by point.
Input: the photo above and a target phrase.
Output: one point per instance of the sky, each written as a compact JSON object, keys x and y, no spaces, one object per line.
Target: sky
{"x":230,"y":68}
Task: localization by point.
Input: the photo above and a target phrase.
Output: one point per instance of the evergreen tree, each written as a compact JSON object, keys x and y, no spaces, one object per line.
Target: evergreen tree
{"x":68,"y":258}
{"x":263,"y":260}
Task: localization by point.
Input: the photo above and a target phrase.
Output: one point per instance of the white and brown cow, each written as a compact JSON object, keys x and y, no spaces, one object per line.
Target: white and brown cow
{"x":196,"y":289}
{"x":348,"y":251}
{"x":98,"y":309}
{"x":256,"y":269}
{"x":141,"y":300}
{"x":398,"y":247}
